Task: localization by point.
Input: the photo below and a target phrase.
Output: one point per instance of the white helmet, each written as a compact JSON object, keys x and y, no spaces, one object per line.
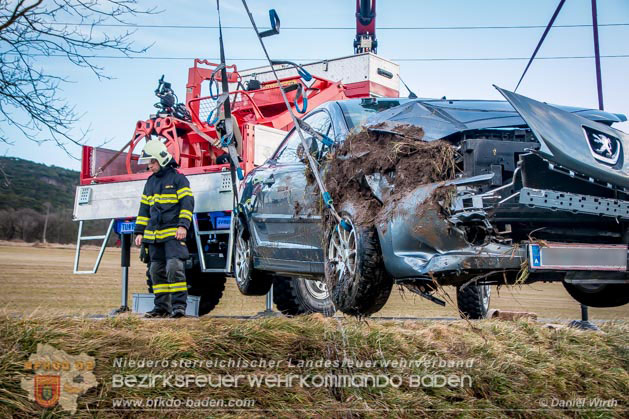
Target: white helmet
{"x":155,"y":149}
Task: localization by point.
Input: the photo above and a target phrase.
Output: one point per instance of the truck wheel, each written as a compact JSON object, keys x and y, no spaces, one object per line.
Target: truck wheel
{"x":473,"y":301}
{"x":354,"y":271}
{"x":294,"y":296}
{"x":208,"y":286}
{"x":599,"y":295}
{"x":248,"y":280}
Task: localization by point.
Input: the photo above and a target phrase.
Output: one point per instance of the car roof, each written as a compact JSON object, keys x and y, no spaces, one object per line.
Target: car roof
{"x":492,"y":108}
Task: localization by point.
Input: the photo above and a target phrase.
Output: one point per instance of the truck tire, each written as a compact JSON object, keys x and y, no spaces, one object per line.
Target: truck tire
{"x":295,"y":296}
{"x":473,"y":301}
{"x":248,"y":280}
{"x":354,"y":271}
{"x":208,"y":286}
{"x":599,"y":295}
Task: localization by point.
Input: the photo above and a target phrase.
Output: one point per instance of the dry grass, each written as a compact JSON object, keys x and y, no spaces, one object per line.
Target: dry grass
{"x":515,"y":364}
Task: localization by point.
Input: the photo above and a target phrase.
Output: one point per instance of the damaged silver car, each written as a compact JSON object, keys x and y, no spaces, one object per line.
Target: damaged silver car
{"x":437,"y":193}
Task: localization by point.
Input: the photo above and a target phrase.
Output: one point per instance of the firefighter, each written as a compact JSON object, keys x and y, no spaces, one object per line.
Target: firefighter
{"x":162,"y":224}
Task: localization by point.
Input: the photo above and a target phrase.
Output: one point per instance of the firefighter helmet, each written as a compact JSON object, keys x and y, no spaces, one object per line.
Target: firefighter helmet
{"x":155,"y":149}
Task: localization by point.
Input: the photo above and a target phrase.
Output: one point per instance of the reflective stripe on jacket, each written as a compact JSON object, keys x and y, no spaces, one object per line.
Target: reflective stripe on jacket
{"x":166,"y":203}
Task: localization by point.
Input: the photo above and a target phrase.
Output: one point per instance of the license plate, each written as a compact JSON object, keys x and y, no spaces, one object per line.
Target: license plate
{"x":577,"y":257}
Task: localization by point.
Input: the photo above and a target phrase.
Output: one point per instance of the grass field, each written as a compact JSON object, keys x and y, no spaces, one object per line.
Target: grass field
{"x":506,"y":369}
{"x":40,"y":279}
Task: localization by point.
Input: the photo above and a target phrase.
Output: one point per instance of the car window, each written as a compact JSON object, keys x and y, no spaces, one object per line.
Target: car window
{"x":319,"y":121}
{"x":356,"y":112}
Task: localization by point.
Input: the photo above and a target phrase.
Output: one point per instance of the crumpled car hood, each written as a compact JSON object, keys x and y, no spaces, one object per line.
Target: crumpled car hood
{"x":575,"y":142}
{"x":441,"y":118}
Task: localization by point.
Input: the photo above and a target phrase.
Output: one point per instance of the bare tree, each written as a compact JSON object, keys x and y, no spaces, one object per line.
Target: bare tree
{"x":35,"y":30}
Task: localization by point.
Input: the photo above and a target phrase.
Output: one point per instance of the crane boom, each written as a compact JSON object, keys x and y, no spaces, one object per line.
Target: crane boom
{"x":365,"y":27}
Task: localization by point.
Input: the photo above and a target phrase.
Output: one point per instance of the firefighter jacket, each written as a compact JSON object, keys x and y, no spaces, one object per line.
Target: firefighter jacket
{"x":167,"y":203}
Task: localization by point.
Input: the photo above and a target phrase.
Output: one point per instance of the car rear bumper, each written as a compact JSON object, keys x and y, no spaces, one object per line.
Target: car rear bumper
{"x":495,"y":263}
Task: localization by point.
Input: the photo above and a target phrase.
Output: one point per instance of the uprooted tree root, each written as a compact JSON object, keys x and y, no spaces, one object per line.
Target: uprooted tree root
{"x":403,"y":158}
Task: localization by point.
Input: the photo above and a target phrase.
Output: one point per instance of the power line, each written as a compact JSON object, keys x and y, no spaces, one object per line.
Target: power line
{"x":383,"y":28}
{"x":306,"y":60}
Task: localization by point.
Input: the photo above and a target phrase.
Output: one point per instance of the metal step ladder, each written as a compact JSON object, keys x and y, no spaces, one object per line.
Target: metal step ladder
{"x":230,"y":244}
{"x":81,"y":238}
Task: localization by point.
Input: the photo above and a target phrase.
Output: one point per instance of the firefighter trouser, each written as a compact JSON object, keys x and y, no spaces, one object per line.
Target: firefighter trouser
{"x":168,"y":274}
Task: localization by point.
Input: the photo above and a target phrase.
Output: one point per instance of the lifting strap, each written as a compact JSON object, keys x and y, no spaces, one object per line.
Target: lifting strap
{"x":228,"y":139}
{"x":327,"y":199}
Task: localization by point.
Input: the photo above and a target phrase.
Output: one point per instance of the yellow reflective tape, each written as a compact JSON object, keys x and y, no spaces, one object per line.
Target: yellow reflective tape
{"x":160,"y":234}
{"x":161,"y":286}
{"x":166,"y":230}
{"x":139,"y":217}
{"x":178,"y":289}
{"x":178,"y":284}
{"x":145,"y":202}
{"x":183,"y":195}
{"x":163,"y":236}
{"x":184,"y":189}
{"x":166,"y":199}
{"x":185,"y":216}
{"x":142,"y":223}
{"x":159,"y":291}
{"x":186,"y":211}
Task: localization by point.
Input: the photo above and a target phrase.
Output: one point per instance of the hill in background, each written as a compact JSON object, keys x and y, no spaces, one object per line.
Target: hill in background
{"x":26,"y":189}
{"x":31,"y":185}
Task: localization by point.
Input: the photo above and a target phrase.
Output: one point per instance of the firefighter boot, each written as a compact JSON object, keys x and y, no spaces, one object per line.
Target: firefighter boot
{"x":156,"y":313}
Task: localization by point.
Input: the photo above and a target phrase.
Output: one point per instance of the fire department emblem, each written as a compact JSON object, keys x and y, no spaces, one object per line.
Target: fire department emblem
{"x":59,"y":378}
{"x":47,"y":389}
{"x":604,"y":147}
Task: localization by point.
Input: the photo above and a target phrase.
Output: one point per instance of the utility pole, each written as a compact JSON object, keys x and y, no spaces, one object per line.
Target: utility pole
{"x":585,"y":323}
{"x":46,"y":222}
{"x":597,"y":56}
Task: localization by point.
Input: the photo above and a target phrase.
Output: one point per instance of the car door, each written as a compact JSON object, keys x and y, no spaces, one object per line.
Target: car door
{"x":288,"y":217}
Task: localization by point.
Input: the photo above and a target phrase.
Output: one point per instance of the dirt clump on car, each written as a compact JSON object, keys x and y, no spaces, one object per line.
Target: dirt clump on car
{"x":403,"y":159}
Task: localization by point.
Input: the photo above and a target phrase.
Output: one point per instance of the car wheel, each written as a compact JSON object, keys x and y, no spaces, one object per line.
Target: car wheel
{"x":599,"y":295}
{"x":208,"y":286}
{"x":248,"y":280}
{"x":354,"y":271}
{"x":473,"y":301}
{"x":295,"y":296}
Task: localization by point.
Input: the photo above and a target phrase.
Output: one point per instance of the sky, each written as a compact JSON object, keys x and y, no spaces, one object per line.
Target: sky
{"x":110,"y":108}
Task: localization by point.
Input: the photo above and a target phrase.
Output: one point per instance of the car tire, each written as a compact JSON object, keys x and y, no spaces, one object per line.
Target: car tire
{"x":295,"y":296}
{"x":473,"y":301}
{"x":249,"y":280}
{"x":354,"y":270}
{"x":208,"y":286}
{"x":599,"y":295}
